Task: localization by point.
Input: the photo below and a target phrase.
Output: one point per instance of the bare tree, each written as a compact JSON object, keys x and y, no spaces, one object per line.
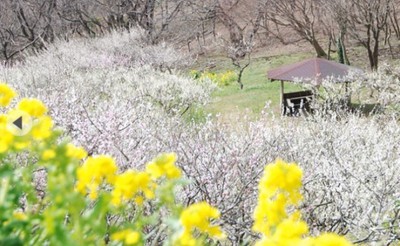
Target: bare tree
{"x":368,"y":19}
{"x":154,"y":16}
{"x":32,"y":23}
{"x":25,"y":24}
{"x":335,"y":23}
{"x":79,"y":17}
{"x":394,"y":18}
{"x":300,"y":16}
{"x":241,"y":37}
{"x":8,"y":31}
{"x":197,"y":23}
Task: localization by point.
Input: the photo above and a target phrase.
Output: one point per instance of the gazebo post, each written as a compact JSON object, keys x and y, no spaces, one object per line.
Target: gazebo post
{"x":281,"y":99}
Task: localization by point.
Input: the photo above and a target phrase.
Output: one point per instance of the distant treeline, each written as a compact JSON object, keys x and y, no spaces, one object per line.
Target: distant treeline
{"x":238,"y":24}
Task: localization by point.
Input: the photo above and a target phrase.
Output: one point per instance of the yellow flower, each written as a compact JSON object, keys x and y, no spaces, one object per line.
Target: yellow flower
{"x":139,"y":200}
{"x":49,"y":221}
{"x":48,"y":154}
{"x":164,"y":165}
{"x":187,"y":239}
{"x":3,"y":119}
{"x":6,"y":139}
{"x":33,"y":107}
{"x":92,"y":173}
{"x":6,"y":95}
{"x":42,"y":128}
{"x":19,"y":215}
{"x":269,"y":213}
{"x":279,"y":189}
{"x":290,"y":229}
{"x":330,"y":239}
{"x":129,"y":237}
{"x":93,"y":193}
{"x":22,"y":144}
{"x":197,"y":217}
{"x":132,"y":185}
{"x":76,"y":152}
{"x":281,"y":176}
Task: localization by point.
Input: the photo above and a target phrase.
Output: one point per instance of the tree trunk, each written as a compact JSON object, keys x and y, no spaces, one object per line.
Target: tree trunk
{"x":376,"y":54}
{"x":343,"y":47}
{"x":373,"y":58}
{"x":373,"y":53}
{"x":241,"y":70}
{"x":340,"y":51}
{"x":346,"y":58}
{"x":318,"y":49}
{"x":239,"y":80}
{"x":395,"y":23}
{"x":329,"y":47}
{"x":149,"y":19}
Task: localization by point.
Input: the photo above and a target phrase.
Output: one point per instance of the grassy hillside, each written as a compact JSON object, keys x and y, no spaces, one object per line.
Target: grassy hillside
{"x":230,"y":101}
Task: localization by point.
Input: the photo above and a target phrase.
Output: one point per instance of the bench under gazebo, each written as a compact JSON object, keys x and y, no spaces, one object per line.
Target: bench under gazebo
{"x":313,"y":70}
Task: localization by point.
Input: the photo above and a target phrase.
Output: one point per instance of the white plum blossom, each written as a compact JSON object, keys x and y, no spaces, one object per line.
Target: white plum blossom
{"x":111,"y":95}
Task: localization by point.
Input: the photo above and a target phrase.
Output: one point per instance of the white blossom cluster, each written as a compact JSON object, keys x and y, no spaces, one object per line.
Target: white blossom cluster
{"x":109,"y":103}
{"x":104,"y":99}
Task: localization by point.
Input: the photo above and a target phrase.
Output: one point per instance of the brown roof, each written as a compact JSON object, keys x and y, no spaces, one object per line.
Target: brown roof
{"x":311,"y":69}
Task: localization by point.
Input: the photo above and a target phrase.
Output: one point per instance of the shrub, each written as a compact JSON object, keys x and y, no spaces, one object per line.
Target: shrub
{"x":221,"y":79}
{"x":91,"y":202}
{"x":88,"y":203}
{"x":95,"y":99}
{"x":350,"y":163}
{"x":378,"y":90}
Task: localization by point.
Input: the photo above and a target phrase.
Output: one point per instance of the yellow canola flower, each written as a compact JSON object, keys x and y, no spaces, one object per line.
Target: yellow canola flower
{"x":291,"y":230}
{"x":129,"y":237}
{"x":281,"y":242}
{"x":76,"y":152}
{"x":93,"y":172}
{"x":197,"y":218}
{"x":48,"y":154}
{"x":49,"y":221}
{"x":33,"y":107}
{"x":279,"y":189}
{"x":3,"y":119}
{"x":164,"y":165}
{"x":19,"y":215}
{"x":6,"y":138}
{"x":269,"y":213}
{"x":284,"y":177}
{"x":187,"y":239}
{"x":330,"y":239}
{"x":20,"y":145}
{"x":132,"y":185}
{"x":42,"y":128}
{"x":6,"y":94}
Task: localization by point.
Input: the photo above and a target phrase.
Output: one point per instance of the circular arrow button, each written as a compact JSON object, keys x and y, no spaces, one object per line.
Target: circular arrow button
{"x":19,"y":123}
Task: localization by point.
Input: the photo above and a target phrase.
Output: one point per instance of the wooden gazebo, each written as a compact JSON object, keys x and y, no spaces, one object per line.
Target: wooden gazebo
{"x":313,"y":70}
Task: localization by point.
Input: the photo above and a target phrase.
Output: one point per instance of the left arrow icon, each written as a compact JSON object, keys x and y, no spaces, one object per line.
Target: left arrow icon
{"x":18,"y":123}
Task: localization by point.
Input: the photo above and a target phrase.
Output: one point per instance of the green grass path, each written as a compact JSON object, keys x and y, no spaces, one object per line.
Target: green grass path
{"x":229,"y":101}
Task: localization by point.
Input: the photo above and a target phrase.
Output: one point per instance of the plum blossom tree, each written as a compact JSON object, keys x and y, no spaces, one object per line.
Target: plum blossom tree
{"x":109,"y":98}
